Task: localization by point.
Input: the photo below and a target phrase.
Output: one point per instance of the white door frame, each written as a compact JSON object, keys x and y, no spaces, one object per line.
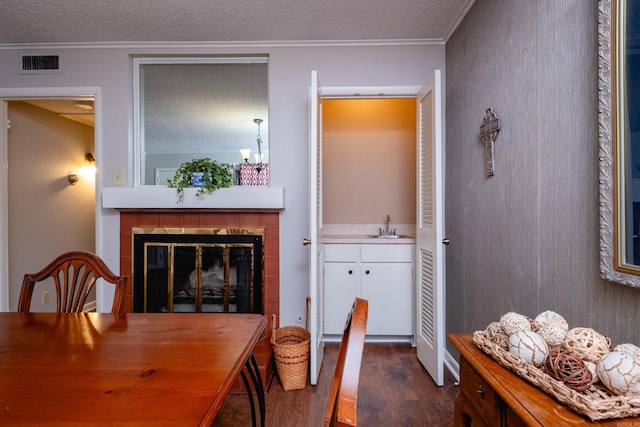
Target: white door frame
{"x":22,"y":94}
{"x":351,"y":92}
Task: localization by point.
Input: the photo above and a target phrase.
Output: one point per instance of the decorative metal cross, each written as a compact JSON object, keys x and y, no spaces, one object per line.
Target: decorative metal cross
{"x":488,"y":134}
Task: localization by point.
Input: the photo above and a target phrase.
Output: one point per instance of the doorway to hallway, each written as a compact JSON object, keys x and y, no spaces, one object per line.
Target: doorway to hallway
{"x":42,"y":214}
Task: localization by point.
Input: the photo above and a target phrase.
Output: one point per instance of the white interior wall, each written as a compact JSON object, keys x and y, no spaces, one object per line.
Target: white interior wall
{"x":110,"y":69}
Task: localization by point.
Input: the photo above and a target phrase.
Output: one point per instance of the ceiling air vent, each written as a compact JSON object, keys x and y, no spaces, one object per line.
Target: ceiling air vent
{"x":40,"y":63}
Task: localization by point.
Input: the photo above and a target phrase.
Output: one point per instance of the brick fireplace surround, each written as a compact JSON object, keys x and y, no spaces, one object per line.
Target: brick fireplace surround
{"x":269,"y":221}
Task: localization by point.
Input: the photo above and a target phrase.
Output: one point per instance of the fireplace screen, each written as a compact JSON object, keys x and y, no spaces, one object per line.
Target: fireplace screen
{"x":197,"y":273}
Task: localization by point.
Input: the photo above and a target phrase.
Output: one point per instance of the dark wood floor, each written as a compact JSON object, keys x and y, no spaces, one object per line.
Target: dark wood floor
{"x":395,"y":391}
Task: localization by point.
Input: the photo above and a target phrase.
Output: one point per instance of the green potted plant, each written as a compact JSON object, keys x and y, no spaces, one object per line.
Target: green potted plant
{"x":205,"y":174}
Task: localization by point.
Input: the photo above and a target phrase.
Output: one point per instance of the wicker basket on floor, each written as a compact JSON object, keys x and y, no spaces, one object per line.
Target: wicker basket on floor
{"x":291,"y":350}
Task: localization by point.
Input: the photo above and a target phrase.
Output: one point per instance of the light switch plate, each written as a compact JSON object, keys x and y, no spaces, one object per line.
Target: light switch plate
{"x":118,"y":176}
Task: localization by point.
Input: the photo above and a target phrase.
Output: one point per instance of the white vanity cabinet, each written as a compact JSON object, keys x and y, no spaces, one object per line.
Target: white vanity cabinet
{"x":380,"y":273}
{"x":341,"y":276}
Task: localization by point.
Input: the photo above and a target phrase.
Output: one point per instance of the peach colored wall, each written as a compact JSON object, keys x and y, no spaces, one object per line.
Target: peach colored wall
{"x":368,"y":161}
{"x":47,"y":216}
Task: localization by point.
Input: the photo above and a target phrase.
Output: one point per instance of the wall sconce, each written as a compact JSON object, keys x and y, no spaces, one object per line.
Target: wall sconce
{"x":73,"y":177}
{"x":245,"y":153}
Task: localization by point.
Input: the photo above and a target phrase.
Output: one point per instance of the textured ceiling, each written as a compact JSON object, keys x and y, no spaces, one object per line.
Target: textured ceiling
{"x":72,"y":21}
{"x":67,"y":108}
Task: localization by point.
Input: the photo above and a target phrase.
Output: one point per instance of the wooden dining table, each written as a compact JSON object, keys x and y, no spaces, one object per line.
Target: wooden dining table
{"x":121,"y":369}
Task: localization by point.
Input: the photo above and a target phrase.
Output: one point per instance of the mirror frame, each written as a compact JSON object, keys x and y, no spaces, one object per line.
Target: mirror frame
{"x":612,"y":266}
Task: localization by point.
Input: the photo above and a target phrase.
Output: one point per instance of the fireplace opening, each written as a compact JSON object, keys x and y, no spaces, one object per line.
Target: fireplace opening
{"x":198,"y":270}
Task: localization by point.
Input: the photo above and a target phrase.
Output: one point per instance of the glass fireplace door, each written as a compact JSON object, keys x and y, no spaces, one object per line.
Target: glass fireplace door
{"x":194,"y":278}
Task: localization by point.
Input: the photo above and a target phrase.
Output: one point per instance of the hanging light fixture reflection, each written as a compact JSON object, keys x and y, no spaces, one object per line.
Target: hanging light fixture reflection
{"x":259,"y":141}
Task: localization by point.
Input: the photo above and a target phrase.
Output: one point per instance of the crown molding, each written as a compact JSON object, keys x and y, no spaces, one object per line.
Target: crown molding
{"x":458,"y":19}
{"x":222,"y":44}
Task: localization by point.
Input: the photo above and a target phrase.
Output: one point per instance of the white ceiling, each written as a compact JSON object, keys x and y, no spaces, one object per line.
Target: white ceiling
{"x":67,"y":108}
{"x":95,"y":21}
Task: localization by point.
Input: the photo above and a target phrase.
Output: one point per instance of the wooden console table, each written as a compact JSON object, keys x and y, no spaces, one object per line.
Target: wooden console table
{"x":491,"y":395}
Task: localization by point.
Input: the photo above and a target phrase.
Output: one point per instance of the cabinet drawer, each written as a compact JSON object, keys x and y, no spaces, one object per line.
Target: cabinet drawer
{"x":481,"y":396}
{"x":341,"y":253}
{"x":513,"y":420}
{"x":465,"y":414}
{"x":387,"y":253}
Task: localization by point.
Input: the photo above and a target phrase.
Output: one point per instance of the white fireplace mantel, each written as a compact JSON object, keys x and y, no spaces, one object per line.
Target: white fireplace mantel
{"x":161,"y":197}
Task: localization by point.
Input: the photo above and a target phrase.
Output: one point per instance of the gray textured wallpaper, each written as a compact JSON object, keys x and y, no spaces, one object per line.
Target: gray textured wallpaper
{"x":526,"y":239}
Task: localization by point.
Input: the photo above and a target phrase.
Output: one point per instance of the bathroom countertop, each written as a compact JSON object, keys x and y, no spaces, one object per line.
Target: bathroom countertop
{"x":364,"y":239}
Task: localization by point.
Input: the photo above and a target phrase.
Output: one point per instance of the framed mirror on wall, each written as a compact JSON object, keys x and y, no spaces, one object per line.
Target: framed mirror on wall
{"x":619,"y":140}
{"x":186,"y":108}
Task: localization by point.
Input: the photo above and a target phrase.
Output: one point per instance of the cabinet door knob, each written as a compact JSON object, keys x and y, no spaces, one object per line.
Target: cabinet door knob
{"x":306,"y":242}
{"x":446,"y":241}
{"x":481,"y":392}
{"x":366,"y":272}
{"x":350,"y":271}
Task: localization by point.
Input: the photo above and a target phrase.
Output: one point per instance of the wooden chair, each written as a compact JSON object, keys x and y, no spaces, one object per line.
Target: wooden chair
{"x":343,"y":398}
{"x":74,"y":275}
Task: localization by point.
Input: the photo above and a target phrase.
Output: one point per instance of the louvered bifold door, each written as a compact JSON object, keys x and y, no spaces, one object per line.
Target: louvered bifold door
{"x":429,"y":230}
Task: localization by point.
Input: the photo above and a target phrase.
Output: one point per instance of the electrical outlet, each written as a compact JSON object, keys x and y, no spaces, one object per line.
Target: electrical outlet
{"x":117,"y":177}
{"x":45,"y":297}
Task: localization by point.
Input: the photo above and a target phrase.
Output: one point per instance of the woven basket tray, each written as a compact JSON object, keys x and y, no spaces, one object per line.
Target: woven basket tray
{"x":597,"y":403}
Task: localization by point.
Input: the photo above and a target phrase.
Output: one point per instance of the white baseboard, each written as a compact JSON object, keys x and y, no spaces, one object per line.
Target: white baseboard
{"x":372,"y":338}
{"x":452,"y":364}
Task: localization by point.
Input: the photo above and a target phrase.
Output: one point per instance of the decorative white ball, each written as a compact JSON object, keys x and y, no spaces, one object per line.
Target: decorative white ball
{"x":494,"y":328}
{"x":593,"y":368}
{"x":632,"y":349}
{"x":551,"y":318}
{"x":620,"y":372}
{"x":528,"y":346}
{"x":552,"y":335}
{"x":513,"y":322}
{"x":496,"y":334}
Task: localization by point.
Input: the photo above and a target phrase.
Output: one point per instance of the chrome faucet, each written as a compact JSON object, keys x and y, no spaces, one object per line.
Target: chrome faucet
{"x":387,"y":230}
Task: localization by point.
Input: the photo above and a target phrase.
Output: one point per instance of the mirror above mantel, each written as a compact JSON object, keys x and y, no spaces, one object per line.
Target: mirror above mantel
{"x":619,"y":140}
{"x":195,"y":107}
